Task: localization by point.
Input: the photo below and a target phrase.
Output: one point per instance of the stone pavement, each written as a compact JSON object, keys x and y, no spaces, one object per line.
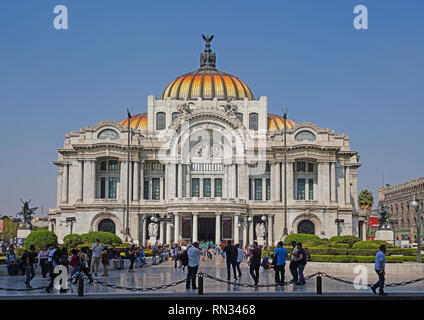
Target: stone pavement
{"x":165,"y":273}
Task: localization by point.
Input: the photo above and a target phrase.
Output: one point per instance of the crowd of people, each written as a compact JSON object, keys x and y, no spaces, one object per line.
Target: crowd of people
{"x":185,"y":255}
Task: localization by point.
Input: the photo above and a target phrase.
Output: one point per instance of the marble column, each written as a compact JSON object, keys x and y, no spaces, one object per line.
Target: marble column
{"x":290,"y":182}
{"x":65,"y":183}
{"x":59,"y":188}
{"x":171,"y":180}
{"x":236,"y":228}
{"x":263,"y":189}
{"x":86,"y":189}
{"x":188,"y":180}
{"x":79,"y":165}
{"x":176,"y":227}
{"x":217,"y":227}
{"x":333,"y":181}
{"x":347,"y":182}
{"x":141,"y":182}
{"x":168,"y":232}
{"x":165,"y":185}
{"x":200,"y":187}
{"x":143,"y":232}
{"x":306,"y":189}
{"x":136,"y":176}
{"x":224,"y":183}
{"x":277,"y":182}
{"x":180,"y":180}
{"x":320,"y":184}
{"x":161,"y":186}
{"x":245,"y":232}
{"x":195,"y":225}
{"x":243,"y":185}
{"x":93,"y":180}
{"x":272,"y":180}
{"x":123,"y":180}
{"x":161,"y":232}
{"x":270,"y":231}
{"x":250,"y":225}
{"x":233,"y":181}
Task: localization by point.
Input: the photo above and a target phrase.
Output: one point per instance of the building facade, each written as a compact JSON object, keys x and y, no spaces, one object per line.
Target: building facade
{"x":398,"y":198}
{"x":207,"y":162}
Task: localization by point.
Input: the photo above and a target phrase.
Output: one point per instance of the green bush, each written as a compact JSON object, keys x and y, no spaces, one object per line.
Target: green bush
{"x":105,"y":237}
{"x":306,"y":239}
{"x":71,"y":241}
{"x":39,"y":239}
{"x":323,"y":250}
{"x":345,"y":239}
{"x":371,"y":244}
{"x":355,"y":259}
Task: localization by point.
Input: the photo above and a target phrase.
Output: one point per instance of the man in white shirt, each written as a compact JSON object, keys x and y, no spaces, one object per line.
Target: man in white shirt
{"x":96,"y":255}
{"x":194,"y":254}
{"x":240,"y":255}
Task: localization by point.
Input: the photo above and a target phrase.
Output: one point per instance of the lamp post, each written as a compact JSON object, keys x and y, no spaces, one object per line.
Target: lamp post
{"x":127,"y":229}
{"x":393,"y":223}
{"x":285,"y":231}
{"x":416,"y":204}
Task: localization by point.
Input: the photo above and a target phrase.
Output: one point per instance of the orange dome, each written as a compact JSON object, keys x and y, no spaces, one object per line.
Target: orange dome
{"x":276,"y":122}
{"x":138,"y":122}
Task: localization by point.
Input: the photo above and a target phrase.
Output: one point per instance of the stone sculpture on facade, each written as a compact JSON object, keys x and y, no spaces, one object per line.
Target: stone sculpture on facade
{"x":260,"y":233}
{"x":153,"y":233}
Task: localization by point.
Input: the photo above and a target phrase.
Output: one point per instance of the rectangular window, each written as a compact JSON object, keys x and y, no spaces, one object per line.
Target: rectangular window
{"x":186,"y":227}
{"x":218,"y":187}
{"x":300,"y":166}
{"x":103,"y":165}
{"x":113,"y":165}
{"x":258,"y":189}
{"x":102,"y":188}
{"x":112,"y":188}
{"x":206,"y":188}
{"x":311,"y":189}
{"x":300,"y":189}
{"x":268,"y":189}
{"x":155,"y":189}
{"x":146,"y":189}
{"x":195,"y":190}
{"x":250,"y":189}
{"x":310,"y":167}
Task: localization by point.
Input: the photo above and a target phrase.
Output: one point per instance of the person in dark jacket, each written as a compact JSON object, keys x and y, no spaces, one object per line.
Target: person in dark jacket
{"x":231,"y":254}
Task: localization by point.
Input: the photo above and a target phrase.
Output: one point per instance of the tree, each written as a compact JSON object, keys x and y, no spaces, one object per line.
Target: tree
{"x":366,"y":200}
{"x":9,"y":230}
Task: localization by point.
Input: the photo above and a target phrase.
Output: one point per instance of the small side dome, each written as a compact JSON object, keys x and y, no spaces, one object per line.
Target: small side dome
{"x":137,"y":122}
{"x":276,"y":123}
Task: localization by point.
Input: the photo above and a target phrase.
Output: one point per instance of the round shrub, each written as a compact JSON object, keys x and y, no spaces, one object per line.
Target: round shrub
{"x":301,"y":237}
{"x":345,"y":239}
{"x":72,"y":241}
{"x":105,"y":237}
{"x":39,"y":239}
{"x":370,"y":244}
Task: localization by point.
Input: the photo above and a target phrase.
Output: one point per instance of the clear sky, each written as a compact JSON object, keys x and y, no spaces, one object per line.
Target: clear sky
{"x":304,"y":55}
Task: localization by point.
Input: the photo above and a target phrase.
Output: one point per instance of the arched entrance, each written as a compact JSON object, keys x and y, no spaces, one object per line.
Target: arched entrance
{"x":107,"y":225}
{"x":306,"y":226}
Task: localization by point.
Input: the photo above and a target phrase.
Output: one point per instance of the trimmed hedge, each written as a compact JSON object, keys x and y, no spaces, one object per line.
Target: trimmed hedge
{"x":105,"y":237}
{"x":71,"y":241}
{"x":39,"y":239}
{"x":371,"y":244}
{"x":356,"y":259}
{"x":302,"y":238}
{"x":345,"y":239}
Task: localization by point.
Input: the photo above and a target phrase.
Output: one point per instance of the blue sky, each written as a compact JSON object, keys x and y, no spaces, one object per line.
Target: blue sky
{"x":304,"y":55}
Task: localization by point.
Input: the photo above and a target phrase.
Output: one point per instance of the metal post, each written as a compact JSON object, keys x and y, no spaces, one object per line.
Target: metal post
{"x":81,"y":285}
{"x":200,"y":285}
{"x":319,"y":284}
{"x":127,"y":229}
{"x":285,"y":231}
{"x":419,"y":233}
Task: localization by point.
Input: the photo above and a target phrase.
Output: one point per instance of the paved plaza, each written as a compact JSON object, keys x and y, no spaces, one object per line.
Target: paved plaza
{"x":165,"y":273}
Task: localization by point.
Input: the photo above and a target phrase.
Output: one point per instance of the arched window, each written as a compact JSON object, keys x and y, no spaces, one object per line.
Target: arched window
{"x":305,"y":135}
{"x":306,"y":226}
{"x":160,"y":121}
{"x":239,"y":116}
{"x":253,"y":121}
{"x":174,"y":116}
{"x":107,"y":225}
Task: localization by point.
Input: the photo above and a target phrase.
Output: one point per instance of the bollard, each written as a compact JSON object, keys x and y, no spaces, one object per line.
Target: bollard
{"x":200,"y":287}
{"x":81,"y":286}
{"x":319,"y":284}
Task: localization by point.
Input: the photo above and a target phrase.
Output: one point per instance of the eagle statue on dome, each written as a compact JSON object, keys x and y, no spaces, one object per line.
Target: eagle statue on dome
{"x":207,"y":39}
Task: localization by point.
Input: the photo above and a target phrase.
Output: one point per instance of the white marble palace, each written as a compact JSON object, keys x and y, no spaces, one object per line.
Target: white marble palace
{"x":206,"y":162}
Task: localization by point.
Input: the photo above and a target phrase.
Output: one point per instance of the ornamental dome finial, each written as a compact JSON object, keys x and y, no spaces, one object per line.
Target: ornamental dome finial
{"x":207,"y":58}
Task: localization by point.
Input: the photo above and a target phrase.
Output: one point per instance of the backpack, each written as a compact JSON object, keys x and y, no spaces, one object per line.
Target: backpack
{"x":184,"y":258}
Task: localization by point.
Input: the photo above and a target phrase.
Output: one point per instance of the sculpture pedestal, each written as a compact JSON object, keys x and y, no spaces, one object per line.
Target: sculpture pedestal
{"x":22,"y":234}
{"x":385,"y":235}
{"x":152,"y":241}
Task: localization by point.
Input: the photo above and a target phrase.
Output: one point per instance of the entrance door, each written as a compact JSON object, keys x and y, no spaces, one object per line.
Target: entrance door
{"x":206,"y":230}
{"x":306,"y":226}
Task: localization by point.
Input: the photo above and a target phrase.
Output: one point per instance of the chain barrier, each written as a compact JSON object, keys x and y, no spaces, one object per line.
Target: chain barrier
{"x":23,"y":289}
{"x":164,"y":286}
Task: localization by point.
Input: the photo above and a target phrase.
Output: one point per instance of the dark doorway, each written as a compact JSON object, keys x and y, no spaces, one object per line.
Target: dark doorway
{"x":306,"y":226}
{"x":206,"y":230}
{"x":107,"y":225}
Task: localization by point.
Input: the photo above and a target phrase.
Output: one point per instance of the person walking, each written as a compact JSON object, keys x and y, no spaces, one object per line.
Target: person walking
{"x":240,"y":255}
{"x":293,"y":263}
{"x":96,"y":256}
{"x":380,"y":263}
{"x":43,"y":256}
{"x":83,"y":263}
{"x":193,"y":253}
{"x":28,"y":259}
{"x":231,"y":254}
{"x":255,"y":262}
{"x":280,"y":256}
{"x":301,"y":260}
{"x":74,"y":263}
{"x":131,"y":254}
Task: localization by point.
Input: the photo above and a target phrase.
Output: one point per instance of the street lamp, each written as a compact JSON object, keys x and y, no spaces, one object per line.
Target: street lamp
{"x":265,"y":220}
{"x":416,"y":204}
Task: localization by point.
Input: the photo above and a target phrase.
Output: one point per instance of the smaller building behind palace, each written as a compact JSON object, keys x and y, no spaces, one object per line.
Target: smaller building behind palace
{"x":207,"y":160}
